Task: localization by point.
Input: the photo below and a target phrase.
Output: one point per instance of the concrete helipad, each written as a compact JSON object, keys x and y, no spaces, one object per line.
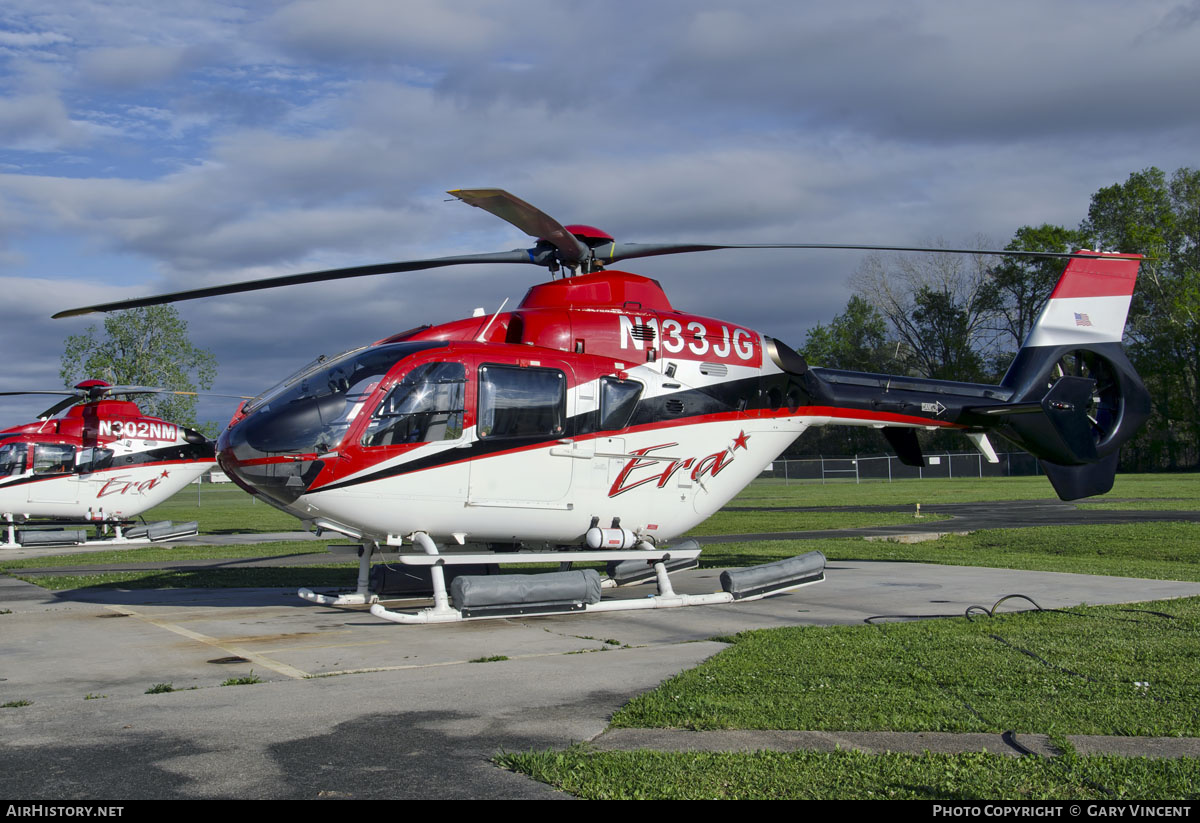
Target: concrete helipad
{"x":356,"y":707}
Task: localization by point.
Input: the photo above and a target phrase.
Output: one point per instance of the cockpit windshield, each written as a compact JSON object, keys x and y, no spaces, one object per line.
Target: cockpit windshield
{"x":311,"y":411}
{"x":316,"y":365}
{"x":12,"y":459}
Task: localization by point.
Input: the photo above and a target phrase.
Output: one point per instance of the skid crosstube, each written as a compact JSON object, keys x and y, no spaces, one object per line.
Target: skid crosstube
{"x":565,"y":592}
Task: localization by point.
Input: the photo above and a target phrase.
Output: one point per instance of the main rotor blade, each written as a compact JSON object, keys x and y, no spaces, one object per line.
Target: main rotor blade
{"x":80,"y":393}
{"x":71,"y":392}
{"x":128,"y":390}
{"x":57,"y":407}
{"x":514,"y":256}
{"x":529,"y":219}
{"x":629,"y":251}
{"x":71,"y":397}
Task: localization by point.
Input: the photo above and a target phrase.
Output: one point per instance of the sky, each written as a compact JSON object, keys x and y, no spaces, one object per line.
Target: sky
{"x":149,"y":147}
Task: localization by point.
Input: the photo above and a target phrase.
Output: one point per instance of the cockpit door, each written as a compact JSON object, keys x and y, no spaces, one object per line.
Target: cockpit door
{"x":421,"y":422}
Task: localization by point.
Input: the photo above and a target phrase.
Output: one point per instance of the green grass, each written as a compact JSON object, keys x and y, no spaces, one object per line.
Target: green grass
{"x":244,"y":680}
{"x":1158,"y":505}
{"x":726,"y":522}
{"x":940,"y":675}
{"x":16,"y":704}
{"x":1095,"y":670}
{"x":275,"y":577}
{"x":161,"y":688}
{"x":770,"y":492}
{"x":953,"y":675}
{"x":223,"y":508}
{"x":168,"y":553}
{"x":333,"y":573}
{"x":846,"y":775}
{"x":1162,"y":551}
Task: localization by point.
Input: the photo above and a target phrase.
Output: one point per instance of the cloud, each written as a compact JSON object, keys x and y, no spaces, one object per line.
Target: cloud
{"x":128,"y":67}
{"x":38,"y":122}
{"x":381,"y":30}
{"x":31,"y":39}
{"x":215,"y":141}
{"x":933,"y":72}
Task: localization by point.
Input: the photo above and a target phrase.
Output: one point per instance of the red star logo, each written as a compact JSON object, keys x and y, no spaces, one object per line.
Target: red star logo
{"x":164,"y":474}
{"x":739,"y":442}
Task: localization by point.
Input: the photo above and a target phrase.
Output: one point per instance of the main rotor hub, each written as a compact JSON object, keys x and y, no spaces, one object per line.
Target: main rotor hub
{"x":589,"y":235}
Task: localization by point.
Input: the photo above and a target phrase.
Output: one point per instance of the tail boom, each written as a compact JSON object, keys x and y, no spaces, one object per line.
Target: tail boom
{"x":1071,"y":397}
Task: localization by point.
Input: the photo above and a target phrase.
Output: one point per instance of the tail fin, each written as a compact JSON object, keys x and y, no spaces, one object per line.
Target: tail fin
{"x":1073,"y":367}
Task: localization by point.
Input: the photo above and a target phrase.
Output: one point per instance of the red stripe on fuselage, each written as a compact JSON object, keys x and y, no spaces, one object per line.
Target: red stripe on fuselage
{"x":27,"y":480}
{"x":753,"y":414}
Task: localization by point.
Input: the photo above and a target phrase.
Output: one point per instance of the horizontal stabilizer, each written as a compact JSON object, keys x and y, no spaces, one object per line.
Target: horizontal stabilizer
{"x":1005,"y":410}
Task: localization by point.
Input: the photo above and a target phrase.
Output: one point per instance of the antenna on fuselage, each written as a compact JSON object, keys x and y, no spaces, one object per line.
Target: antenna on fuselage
{"x":479,"y":339}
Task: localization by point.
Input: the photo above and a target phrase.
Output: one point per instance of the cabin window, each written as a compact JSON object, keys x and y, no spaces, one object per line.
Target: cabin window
{"x":425,"y":407}
{"x":618,"y":399}
{"x":94,"y":460}
{"x":12,"y":459}
{"x":517,"y":402}
{"x":53,"y":458}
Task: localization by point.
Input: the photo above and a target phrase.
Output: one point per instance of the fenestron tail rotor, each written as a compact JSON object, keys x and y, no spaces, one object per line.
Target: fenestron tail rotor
{"x":1107,"y":402}
{"x":574,"y":247}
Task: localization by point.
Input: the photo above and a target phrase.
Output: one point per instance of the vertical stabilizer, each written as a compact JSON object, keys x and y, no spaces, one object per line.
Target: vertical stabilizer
{"x":1073,"y":365}
{"x":1090,"y":303}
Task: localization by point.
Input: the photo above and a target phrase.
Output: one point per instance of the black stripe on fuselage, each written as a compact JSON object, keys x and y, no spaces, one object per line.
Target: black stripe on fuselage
{"x":751,"y":393}
{"x":175,"y":453}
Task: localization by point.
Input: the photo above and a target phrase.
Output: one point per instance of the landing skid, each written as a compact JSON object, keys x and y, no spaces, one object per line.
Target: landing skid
{"x":362,"y":595}
{"x":28,"y":535}
{"x":499,"y":596}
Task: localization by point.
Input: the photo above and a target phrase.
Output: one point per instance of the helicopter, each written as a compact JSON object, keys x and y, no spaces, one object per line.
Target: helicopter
{"x":597,"y":422}
{"x":101,"y":464}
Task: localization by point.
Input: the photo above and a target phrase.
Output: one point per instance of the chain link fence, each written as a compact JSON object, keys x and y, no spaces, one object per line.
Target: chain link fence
{"x":888,"y":467}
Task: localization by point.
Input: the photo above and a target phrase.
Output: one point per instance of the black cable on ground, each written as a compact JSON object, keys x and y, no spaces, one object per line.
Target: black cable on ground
{"x":1009,"y":736}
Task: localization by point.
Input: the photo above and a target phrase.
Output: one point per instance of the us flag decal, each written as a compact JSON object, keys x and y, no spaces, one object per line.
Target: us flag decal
{"x":1082,"y":319}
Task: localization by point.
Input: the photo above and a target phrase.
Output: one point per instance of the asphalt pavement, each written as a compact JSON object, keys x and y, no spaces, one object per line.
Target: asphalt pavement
{"x":354,"y":707}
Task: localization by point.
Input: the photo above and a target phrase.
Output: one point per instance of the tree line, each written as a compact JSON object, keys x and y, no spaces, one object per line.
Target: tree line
{"x":943,"y":316}
{"x":963,"y":316}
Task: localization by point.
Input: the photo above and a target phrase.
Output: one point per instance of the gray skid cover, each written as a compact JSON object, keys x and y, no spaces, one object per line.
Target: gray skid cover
{"x":162,"y":530}
{"x":636,"y":571}
{"x":51,"y":537}
{"x":581,"y":586}
{"x":770,"y":576}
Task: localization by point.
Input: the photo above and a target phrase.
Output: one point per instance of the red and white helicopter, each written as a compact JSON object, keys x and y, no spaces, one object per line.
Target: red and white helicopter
{"x":101,"y":464}
{"x":597,"y":422}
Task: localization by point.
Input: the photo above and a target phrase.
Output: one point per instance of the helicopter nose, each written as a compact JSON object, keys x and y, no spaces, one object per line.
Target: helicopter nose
{"x":282,"y":476}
